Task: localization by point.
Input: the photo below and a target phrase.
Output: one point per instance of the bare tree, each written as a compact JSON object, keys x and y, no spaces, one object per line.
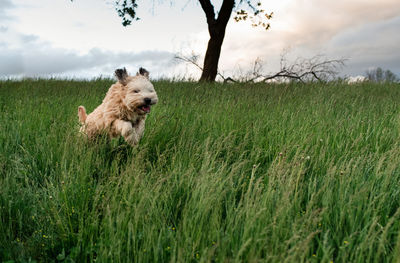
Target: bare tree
{"x":316,"y":68}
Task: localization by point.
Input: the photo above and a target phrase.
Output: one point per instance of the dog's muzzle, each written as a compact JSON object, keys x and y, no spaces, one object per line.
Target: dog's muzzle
{"x":147,"y":105}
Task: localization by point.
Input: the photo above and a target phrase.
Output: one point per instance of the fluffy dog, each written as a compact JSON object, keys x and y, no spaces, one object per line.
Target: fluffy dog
{"x":124,"y":109}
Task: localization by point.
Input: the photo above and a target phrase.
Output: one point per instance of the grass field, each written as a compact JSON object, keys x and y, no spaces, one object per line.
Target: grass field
{"x":224,"y":173}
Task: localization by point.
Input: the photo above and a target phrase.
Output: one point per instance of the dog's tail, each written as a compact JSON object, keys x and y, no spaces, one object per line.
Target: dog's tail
{"x":82,"y":114}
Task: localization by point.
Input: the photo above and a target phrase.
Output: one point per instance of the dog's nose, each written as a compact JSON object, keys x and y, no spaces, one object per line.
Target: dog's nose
{"x":147,"y":100}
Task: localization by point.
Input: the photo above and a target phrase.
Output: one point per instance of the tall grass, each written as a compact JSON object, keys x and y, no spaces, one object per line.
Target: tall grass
{"x":224,"y":173}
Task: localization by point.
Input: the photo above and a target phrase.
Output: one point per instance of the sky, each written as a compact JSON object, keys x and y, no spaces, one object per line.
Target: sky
{"x":85,"y":38}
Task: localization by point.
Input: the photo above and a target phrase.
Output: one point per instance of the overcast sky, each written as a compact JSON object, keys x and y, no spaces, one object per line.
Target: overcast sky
{"x":85,"y":38}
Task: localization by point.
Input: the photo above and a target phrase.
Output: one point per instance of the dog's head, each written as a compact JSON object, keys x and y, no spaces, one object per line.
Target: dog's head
{"x":140,"y":94}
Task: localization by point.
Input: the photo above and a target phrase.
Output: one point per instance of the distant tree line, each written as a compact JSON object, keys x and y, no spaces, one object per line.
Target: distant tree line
{"x":380,"y":75}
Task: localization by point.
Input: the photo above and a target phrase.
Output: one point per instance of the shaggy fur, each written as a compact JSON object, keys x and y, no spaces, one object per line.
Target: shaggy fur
{"x":124,"y":109}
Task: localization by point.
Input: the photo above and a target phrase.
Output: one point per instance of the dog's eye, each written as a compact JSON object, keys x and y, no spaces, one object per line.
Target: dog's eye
{"x":136,"y":91}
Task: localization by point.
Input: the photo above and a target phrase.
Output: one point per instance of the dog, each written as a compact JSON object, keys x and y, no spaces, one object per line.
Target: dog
{"x":124,"y":109}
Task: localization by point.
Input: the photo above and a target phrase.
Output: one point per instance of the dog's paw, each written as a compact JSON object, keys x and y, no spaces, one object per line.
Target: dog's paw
{"x":132,"y":139}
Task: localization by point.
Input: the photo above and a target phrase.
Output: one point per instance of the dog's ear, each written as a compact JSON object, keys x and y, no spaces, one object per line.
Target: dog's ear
{"x":143,"y":72}
{"x":121,"y":75}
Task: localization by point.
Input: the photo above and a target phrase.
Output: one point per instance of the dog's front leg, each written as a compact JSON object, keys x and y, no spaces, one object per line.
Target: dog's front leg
{"x":125,"y":129}
{"x":139,"y":129}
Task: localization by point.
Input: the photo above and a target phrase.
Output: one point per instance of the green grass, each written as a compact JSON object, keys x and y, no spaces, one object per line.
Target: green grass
{"x":224,"y":173}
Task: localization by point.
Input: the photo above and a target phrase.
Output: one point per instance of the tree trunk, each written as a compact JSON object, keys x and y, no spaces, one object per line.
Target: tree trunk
{"x":216,"y":28}
{"x":210,"y":67}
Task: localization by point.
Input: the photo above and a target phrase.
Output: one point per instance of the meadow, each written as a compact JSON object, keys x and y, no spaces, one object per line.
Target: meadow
{"x":224,"y":173}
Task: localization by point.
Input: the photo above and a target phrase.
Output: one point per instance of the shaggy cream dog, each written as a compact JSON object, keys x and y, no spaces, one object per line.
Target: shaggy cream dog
{"x":124,"y":109}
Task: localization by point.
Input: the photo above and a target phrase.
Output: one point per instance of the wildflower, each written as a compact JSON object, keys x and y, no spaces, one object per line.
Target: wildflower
{"x":50,"y":197}
{"x":197,"y":255}
{"x":345,"y":242}
{"x":168,"y":248}
{"x":308,"y":157}
{"x":314,"y":255}
{"x":173,"y":228}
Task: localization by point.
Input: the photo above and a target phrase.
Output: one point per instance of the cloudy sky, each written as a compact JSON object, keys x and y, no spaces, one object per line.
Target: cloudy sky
{"x":85,"y":38}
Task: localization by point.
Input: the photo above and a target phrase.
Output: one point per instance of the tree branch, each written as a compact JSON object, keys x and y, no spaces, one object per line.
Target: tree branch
{"x":193,"y":60}
{"x":208,"y":9}
{"x":316,"y":68}
{"x":225,"y":12}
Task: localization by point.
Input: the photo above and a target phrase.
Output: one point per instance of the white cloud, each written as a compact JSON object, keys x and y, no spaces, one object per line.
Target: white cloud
{"x":4,"y":6}
{"x":363,"y":30}
{"x":34,"y":57}
{"x":314,"y":22}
